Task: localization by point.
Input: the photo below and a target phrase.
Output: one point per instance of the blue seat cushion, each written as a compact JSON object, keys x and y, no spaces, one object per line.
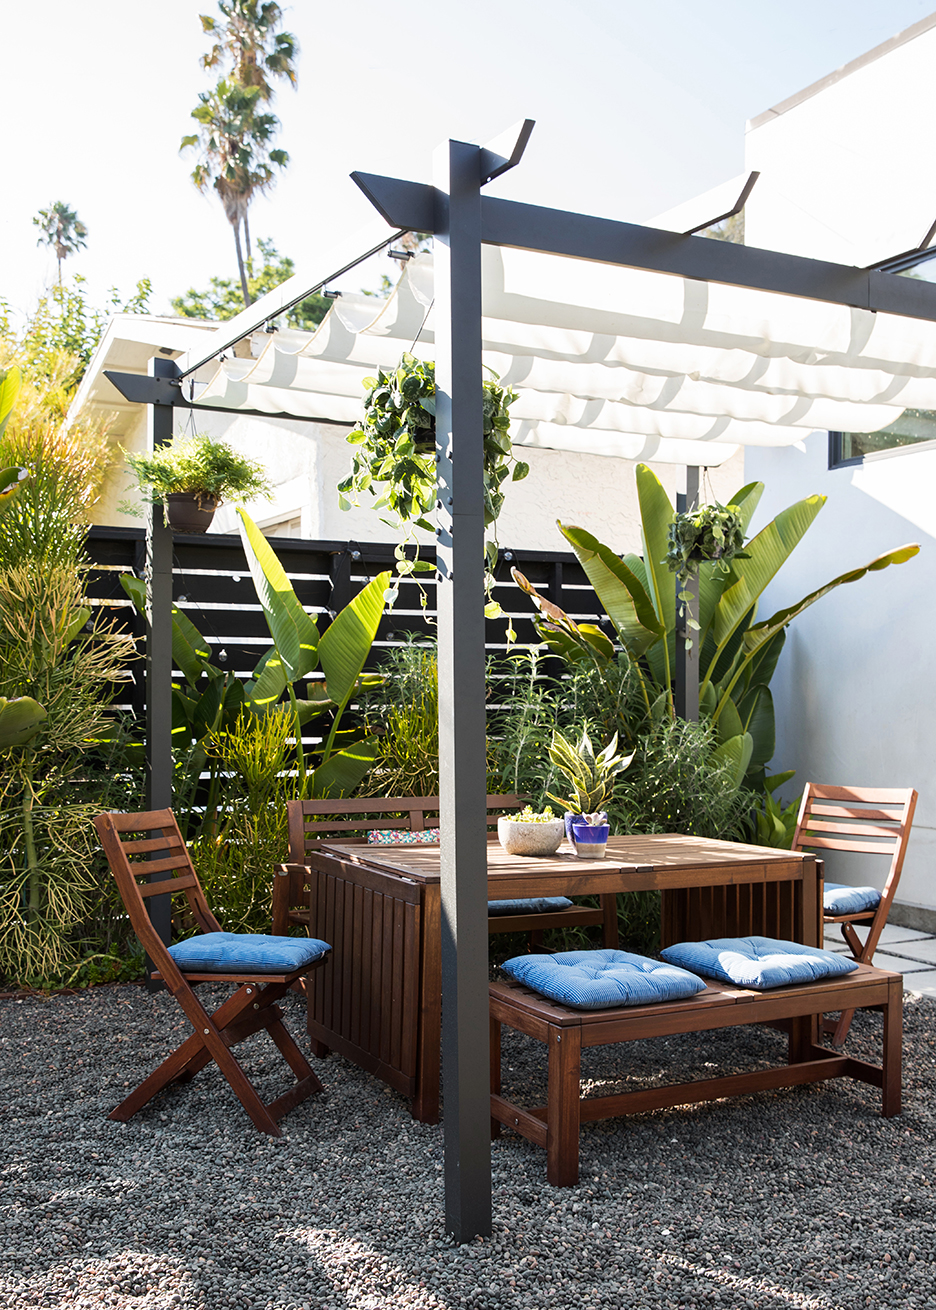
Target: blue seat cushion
{"x":758,"y":962}
{"x":837,"y":898}
{"x":244,"y":952}
{"x":602,"y":979}
{"x":533,"y":905}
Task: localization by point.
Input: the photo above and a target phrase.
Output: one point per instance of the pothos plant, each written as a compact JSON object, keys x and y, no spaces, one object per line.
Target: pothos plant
{"x":394,"y":456}
{"x":709,"y":534}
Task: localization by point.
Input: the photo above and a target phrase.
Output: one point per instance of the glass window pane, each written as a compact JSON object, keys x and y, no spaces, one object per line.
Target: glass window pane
{"x":913,"y":426}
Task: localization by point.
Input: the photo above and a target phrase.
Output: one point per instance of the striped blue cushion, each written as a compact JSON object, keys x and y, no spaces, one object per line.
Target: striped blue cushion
{"x":758,"y":962}
{"x":837,"y":898}
{"x":533,"y":905}
{"x":598,"y":980}
{"x":245,"y":952}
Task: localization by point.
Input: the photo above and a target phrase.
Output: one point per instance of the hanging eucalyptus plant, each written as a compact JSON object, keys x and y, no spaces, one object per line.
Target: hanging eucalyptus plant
{"x":394,"y":457}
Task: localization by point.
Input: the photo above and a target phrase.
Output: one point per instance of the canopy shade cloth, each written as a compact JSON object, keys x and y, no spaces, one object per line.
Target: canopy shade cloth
{"x":610,"y":360}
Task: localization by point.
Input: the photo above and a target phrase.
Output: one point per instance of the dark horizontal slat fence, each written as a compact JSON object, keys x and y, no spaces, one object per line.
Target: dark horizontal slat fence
{"x":212,"y":585}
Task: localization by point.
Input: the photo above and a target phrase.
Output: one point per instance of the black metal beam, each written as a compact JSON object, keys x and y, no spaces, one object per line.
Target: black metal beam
{"x":606,"y":241}
{"x":729,"y":213}
{"x":462,"y":745}
{"x":144,"y":390}
{"x":159,"y":647}
{"x":686,"y":689}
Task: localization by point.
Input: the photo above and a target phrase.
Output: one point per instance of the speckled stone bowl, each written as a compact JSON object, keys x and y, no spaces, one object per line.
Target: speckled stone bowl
{"x":518,"y":838}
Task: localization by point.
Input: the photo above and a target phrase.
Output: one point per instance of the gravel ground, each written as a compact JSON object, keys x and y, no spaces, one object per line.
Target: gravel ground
{"x":797,"y":1198}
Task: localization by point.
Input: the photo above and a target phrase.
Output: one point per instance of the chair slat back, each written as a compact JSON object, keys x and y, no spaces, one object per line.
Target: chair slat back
{"x":868,"y":820}
{"x":310,"y":821}
{"x":148,"y":857}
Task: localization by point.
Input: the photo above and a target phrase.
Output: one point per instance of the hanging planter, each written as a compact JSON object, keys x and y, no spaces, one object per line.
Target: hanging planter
{"x":187,"y":511}
{"x":192,"y":476}
{"x":394,"y":456}
{"x":711,"y":534}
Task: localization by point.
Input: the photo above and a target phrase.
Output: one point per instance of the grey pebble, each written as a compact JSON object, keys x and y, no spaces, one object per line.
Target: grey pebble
{"x":803,"y":1199}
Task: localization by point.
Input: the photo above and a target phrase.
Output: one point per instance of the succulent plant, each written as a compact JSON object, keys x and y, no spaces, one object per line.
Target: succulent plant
{"x":591,"y":777}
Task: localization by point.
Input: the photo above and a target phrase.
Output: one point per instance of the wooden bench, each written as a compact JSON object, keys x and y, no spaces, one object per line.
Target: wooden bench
{"x":349,"y":821}
{"x":566,"y":1032}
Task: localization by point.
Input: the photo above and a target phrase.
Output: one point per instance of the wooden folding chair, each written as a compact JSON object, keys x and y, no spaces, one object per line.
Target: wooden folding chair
{"x":148,"y":857}
{"x":310,"y":822}
{"x":864,"y":820}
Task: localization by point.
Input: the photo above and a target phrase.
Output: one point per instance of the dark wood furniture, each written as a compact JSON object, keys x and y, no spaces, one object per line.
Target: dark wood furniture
{"x":862,"y":820}
{"x":148,"y":857}
{"x":379,"y":906}
{"x":566,"y":1032}
{"x":310,"y":821}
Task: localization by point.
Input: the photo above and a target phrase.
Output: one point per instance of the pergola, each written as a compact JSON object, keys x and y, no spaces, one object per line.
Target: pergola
{"x":622,"y":340}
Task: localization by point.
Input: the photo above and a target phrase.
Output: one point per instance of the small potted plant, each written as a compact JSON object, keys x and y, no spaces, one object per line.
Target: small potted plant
{"x":530,"y":832}
{"x":591,"y":780}
{"x":192,"y":476}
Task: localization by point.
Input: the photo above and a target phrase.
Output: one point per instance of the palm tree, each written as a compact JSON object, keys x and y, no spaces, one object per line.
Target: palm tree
{"x":63,"y":230}
{"x":236,"y":156}
{"x":235,"y":135}
{"x":250,"y":40}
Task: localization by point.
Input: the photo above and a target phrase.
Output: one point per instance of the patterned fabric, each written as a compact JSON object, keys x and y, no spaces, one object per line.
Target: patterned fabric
{"x":535,"y":905}
{"x":837,"y":898}
{"x":600,"y":980}
{"x":758,"y":962}
{"x":244,"y":952}
{"x":401,"y":837}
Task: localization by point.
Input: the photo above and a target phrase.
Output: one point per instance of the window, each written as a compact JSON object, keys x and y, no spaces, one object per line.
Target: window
{"x":915,"y":426}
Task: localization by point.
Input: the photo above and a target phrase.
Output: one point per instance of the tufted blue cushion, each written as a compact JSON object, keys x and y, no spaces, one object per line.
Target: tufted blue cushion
{"x":244,"y":952}
{"x":758,"y":962}
{"x":535,"y":905}
{"x":598,"y":980}
{"x":837,"y":898}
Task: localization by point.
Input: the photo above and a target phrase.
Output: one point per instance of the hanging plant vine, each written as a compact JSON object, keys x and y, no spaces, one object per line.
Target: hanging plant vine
{"x":709,"y":534}
{"x":394,"y":456}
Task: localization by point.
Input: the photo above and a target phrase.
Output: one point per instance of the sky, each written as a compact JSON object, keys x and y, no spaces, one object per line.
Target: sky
{"x":638,"y":106}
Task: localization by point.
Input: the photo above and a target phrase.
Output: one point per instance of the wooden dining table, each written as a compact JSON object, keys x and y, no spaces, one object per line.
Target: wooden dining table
{"x":379,"y":1002}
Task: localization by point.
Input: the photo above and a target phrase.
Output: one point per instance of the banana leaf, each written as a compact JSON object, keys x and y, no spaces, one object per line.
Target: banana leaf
{"x":294,"y":633}
{"x":348,"y":639}
{"x":20,"y":720}
{"x":621,"y":593}
{"x":190,"y":651}
{"x":344,"y":770}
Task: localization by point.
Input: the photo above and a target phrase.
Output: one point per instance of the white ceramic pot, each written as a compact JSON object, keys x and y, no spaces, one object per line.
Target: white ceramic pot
{"x":519,"y":838}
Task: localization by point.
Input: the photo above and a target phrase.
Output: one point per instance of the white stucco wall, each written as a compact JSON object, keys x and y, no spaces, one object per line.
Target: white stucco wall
{"x":843,"y":179}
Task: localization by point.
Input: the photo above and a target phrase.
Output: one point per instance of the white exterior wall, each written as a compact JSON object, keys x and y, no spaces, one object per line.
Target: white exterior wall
{"x":843,"y":178}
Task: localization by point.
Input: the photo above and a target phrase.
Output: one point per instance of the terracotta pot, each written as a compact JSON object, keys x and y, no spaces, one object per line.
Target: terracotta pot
{"x":187,"y":512}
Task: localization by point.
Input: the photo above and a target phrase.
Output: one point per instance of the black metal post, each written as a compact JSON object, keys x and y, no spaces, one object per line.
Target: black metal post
{"x":686,"y":698}
{"x":460,"y":606}
{"x":158,"y":573}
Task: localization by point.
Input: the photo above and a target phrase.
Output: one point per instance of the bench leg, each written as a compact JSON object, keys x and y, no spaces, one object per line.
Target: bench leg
{"x":562,"y":1114}
{"x":495,"y":1070}
{"x":609,"y":932}
{"x":892,"y":1056}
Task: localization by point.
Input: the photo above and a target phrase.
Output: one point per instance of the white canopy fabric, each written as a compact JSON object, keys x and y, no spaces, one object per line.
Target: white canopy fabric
{"x":612,"y":361}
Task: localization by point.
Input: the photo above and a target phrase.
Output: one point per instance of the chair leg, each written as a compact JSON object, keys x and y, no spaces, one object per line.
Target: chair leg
{"x":892,"y":1055}
{"x":248,"y":1011}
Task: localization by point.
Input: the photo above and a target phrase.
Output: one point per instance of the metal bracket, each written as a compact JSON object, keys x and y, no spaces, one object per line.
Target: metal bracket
{"x":506,"y":150}
{"x":910,"y":258}
{"x":143,"y":390}
{"x":738,"y":206}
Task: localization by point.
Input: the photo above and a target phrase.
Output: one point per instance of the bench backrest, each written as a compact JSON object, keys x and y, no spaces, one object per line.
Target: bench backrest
{"x":351,"y":820}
